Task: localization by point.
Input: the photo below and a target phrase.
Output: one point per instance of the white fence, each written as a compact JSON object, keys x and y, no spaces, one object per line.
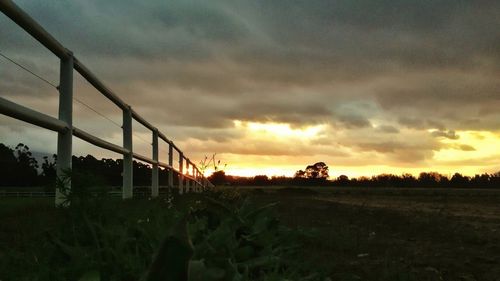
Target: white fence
{"x":34,"y":194}
{"x":188,"y":179}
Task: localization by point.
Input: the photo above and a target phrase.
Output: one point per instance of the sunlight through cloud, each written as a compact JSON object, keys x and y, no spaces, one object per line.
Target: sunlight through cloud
{"x":279,"y":130}
{"x":469,"y":144}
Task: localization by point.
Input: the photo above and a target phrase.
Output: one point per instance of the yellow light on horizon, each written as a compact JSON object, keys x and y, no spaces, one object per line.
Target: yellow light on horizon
{"x":469,"y":145}
{"x":279,"y":130}
{"x":471,"y":153}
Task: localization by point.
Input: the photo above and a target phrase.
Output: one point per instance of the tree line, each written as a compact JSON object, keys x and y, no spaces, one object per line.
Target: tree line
{"x":318,"y":175}
{"x":18,"y":167}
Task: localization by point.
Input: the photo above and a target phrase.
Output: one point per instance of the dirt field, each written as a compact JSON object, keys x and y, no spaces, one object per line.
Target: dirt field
{"x":396,"y":234}
{"x":357,"y":233}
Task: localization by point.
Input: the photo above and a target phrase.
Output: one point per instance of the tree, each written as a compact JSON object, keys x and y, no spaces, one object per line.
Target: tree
{"x":261,"y":180}
{"x":300,"y":174}
{"x":48,"y":175}
{"x":26,"y":171}
{"x":218,"y":177}
{"x":342,"y":180}
{"x":8,"y":165}
{"x":312,"y":175}
{"x":458,"y":180}
{"x":317,"y":171}
{"x":431,"y":179}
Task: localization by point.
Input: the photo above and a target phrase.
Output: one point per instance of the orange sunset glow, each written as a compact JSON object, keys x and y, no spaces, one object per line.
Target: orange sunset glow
{"x":272,"y":92}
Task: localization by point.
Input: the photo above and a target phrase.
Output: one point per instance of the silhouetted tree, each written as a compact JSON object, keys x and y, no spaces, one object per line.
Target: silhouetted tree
{"x":18,"y":167}
{"x":483,"y":180}
{"x":300,"y":174}
{"x":48,"y":176}
{"x":430,"y":179}
{"x":342,"y":180}
{"x":458,"y":180}
{"x":218,"y":178}
{"x":261,"y":180}
{"x":8,"y":166}
{"x":408,"y":180}
{"x":26,"y":170}
{"x":318,"y":170}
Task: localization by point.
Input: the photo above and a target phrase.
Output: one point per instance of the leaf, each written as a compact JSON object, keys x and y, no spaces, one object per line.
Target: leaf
{"x":261,"y":209}
{"x":198,"y":271}
{"x":91,"y":276}
{"x":172,"y":259}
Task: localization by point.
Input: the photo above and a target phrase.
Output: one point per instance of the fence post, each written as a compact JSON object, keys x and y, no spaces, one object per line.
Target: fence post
{"x":188,"y":181}
{"x":198,"y":177}
{"x":181,"y":173}
{"x":64,"y":139}
{"x":195,"y":175}
{"x":195,"y":182}
{"x":154,"y":180}
{"x":171,"y":164}
{"x":127,"y":189}
{"x":200,"y":180}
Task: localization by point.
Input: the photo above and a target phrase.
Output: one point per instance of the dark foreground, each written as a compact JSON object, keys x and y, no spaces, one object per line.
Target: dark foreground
{"x":397,"y":235}
{"x":351,"y":235}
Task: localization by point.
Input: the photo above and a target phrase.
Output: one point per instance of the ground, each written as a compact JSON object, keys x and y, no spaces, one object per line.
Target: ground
{"x":396,"y":234}
{"x":355,"y":233}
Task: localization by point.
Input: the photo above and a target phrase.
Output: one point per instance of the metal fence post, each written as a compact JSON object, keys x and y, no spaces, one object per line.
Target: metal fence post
{"x":127,"y":189}
{"x":154,"y":180}
{"x":181,"y":173}
{"x":171,"y":164}
{"x":64,"y":139}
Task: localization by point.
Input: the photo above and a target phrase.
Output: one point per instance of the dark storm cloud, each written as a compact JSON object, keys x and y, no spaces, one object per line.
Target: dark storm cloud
{"x":459,"y":100}
{"x":388,"y":129}
{"x":293,"y":112}
{"x":321,"y":33}
{"x":401,"y":151}
{"x":193,"y":67}
{"x":141,"y":29}
{"x":353,"y":121}
{"x":419,"y":124}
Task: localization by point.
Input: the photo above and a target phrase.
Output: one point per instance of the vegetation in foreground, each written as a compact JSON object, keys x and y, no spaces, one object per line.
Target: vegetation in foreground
{"x":213,"y":236}
{"x":315,"y":236}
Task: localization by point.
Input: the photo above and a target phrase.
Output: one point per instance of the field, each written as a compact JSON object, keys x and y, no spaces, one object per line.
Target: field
{"x":396,"y":234}
{"x":352,"y":233}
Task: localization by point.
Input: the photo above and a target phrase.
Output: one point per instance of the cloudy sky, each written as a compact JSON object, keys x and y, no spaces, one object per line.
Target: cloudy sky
{"x":271,"y":86}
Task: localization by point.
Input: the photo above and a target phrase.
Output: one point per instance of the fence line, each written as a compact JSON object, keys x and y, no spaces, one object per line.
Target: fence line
{"x":7,"y":194}
{"x":63,"y":125}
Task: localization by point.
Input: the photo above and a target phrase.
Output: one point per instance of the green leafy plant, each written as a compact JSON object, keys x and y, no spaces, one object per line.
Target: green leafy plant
{"x":195,"y":237}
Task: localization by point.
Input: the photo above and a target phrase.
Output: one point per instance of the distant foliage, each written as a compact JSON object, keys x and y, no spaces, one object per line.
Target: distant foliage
{"x":18,"y":167}
{"x":218,"y":178}
{"x":214,"y":236}
{"x":318,"y":170}
{"x":425,"y":179}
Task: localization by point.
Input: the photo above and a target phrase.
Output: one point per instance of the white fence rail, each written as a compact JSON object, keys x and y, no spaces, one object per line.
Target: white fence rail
{"x":188,"y":181}
{"x":16,"y":194}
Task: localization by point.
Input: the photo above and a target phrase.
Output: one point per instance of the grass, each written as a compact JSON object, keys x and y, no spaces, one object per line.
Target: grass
{"x":353,"y":236}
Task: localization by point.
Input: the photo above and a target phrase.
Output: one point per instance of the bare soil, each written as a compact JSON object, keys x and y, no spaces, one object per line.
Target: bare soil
{"x":395,"y":234}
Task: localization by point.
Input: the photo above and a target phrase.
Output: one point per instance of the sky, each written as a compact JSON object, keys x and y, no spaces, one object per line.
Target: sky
{"x":367,"y":87}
